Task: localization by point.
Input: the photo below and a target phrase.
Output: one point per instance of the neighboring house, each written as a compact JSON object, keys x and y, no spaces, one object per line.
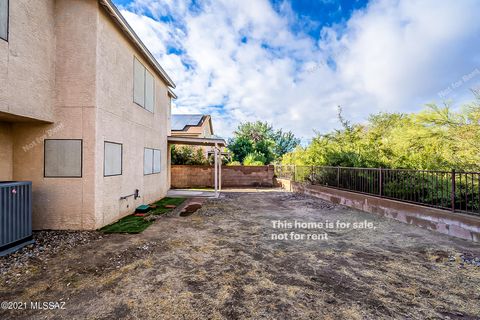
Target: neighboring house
{"x":84,"y":111}
{"x":193,"y":126}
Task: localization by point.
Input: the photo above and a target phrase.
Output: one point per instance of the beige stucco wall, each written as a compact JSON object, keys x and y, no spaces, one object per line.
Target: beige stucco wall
{"x":122,"y":121}
{"x":27,"y":69}
{"x":6,"y":151}
{"x":58,"y":203}
{"x":81,"y":89}
{"x":62,"y":203}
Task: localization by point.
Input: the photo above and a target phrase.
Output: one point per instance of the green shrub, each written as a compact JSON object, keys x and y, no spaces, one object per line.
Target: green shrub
{"x":188,"y":155}
{"x":254,"y":159}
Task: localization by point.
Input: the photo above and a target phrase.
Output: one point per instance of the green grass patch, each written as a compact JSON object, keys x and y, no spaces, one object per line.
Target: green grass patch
{"x":134,"y":224}
{"x":166,"y":201}
{"x":128,"y":224}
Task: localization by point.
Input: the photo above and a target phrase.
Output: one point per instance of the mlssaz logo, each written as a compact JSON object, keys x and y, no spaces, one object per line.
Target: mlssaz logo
{"x":37,"y":305}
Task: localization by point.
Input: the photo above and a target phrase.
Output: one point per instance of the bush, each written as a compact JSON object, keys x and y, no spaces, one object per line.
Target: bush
{"x":254,"y":159}
{"x":234,"y":163}
{"x":188,"y":155}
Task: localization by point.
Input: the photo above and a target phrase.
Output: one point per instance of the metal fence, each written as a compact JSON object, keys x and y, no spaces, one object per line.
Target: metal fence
{"x":451,"y":190}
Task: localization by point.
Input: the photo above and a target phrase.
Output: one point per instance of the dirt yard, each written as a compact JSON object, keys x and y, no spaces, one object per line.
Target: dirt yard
{"x":221,"y":263}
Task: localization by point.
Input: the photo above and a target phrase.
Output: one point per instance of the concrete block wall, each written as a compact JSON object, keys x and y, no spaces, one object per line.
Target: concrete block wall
{"x":190,"y":176}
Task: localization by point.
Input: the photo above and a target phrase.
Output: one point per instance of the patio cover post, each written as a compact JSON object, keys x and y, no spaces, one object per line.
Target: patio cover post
{"x":219,"y":169}
{"x":216,"y":170}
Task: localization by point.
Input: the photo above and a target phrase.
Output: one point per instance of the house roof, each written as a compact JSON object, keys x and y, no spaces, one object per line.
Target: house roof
{"x":132,"y":36}
{"x":180,"y":122}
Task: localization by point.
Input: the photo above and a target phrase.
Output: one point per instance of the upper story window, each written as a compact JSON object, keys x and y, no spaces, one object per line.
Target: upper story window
{"x":4,"y":19}
{"x":143,"y":86}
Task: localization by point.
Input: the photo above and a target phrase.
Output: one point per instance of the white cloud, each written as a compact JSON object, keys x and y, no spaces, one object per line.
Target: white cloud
{"x":392,"y":56}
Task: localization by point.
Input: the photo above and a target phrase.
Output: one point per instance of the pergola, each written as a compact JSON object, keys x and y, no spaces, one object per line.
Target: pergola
{"x":217,"y":143}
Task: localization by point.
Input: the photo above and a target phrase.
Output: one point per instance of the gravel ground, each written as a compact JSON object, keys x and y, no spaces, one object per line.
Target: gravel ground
{"x":221,"y":263}
{"x":47,"y":243}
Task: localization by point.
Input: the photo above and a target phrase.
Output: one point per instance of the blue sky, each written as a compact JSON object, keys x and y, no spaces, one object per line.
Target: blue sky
{"x":293,"y":62}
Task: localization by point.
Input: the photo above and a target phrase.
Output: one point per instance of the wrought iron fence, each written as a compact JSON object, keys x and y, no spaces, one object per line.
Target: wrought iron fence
{"x":452,"y":190}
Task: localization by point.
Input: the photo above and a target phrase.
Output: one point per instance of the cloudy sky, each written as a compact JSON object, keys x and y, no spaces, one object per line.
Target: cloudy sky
{"x":291,"y":63}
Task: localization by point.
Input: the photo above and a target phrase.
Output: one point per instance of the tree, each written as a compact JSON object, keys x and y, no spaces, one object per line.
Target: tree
{"x":284,"y":142}
{"x":260,"y":138}
{"x":436,"y":138}
{"x":240,"y":147}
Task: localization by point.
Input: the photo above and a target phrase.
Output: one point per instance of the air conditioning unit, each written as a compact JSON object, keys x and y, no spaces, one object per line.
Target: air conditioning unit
{"x":15,"y":215}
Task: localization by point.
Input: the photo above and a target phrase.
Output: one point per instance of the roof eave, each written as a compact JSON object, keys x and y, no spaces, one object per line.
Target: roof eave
{"x":197,"y":141}
{"x":171,"y":93}
{"x":127,"y":29}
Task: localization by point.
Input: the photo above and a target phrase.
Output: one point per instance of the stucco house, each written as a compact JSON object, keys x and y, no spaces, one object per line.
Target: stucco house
{"x":195,"y":126}
{"x":84,"y":112}
{"x":192,"y":125}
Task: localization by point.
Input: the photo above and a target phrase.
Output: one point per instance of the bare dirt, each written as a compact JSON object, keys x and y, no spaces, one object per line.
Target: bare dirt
{"x":221,"y":263}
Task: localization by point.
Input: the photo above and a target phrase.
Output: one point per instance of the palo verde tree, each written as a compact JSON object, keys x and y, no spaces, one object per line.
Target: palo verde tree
{"x":437,"y":138}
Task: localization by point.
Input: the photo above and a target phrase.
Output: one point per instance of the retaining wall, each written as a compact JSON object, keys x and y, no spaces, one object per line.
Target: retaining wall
{"x":454,"y":224}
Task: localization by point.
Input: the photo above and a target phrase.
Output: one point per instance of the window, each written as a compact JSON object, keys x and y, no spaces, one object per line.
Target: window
{"x":143,"y":86}
{"x":113,"y":159}
{"x":63,"y":158}
{"x":149,"y":91}
{"x":148,"y":161}
{"x":151,"y":161}
{"x":156,"y":161}
{"x":4,"y":19}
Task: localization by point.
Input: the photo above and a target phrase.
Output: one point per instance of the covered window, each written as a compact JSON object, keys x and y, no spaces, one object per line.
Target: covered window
{"x":152,"y":161}
{"x":4,"y":19}
{"x":149,"y":91}
{"x":113,"y":159}
{"x":63,"y":158}
{"x":143,"y":86}
{"x":156,"y":161}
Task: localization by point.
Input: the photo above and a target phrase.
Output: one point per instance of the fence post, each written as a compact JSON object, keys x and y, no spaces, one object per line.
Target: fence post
{"x":294,"y":172}
{"x":452,"y":195}
{"x":338,"y":177}
{"x":380,"y":182}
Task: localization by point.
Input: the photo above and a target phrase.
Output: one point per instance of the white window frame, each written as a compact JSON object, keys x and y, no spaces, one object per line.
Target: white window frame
{"x":146,"y":73}
{"x":153,"y":170}
{"x":105,"y":159}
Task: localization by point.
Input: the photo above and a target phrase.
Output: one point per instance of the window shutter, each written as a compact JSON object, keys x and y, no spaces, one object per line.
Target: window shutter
{"x":156,"y":161}
{"x":148,"y":161}
{"x":63,"y":158}
{"x":138,"y":83}
{"x":113,"y":159}
{"x":149,"y":92}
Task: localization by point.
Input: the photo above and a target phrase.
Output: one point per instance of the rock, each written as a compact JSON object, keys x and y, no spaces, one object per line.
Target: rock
{"x":46,"y":243}
{"x":151,"y":217}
